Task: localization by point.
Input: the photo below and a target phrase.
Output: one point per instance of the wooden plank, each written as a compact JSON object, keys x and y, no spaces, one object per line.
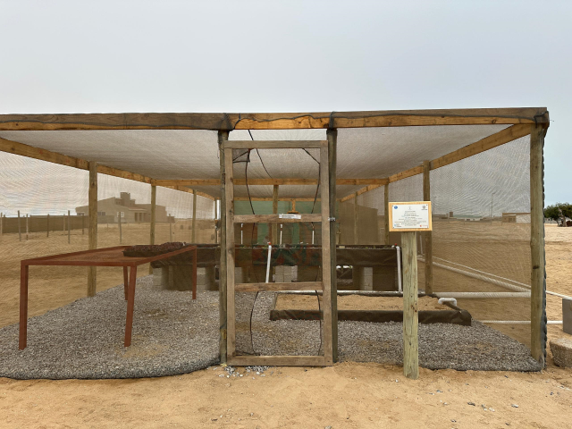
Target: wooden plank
{"x":222,"y":289}
{"x":92,"y":226}
{"x":272,"y":144}
{"x":538,"y":274}
{"x":194,"y":221}
{"x":229,"y":207}
{"x":410,"y":307}
{"x":356,"y":239}
{"x":245,"y":121}
{"x":405,"y":174}
{"x":428,"y":236}
{"x":153,"y":219}
{"x":270,"y":199}
{"x":332,"y":136}
{"x":507,"y":135}
{"x":386,"y":213}
{"x":278,"y":286}
{"x":275,"y":218}
{"x":327,"y":341}
{"x":265,"y":182}
{"x":274,"y":236}
{"x":189,"y":190}
{"x":277,"y":361}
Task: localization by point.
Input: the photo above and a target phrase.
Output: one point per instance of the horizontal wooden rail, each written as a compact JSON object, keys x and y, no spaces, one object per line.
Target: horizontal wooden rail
{"x":266,"y":182}
{"x":276,"y":218}
{"x":259,"y":287}
{"x":277,"y":361}
{"x":271,"y":144}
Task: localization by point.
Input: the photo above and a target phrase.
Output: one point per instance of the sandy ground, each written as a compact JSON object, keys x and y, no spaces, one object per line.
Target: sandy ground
{"x":344,"y":396}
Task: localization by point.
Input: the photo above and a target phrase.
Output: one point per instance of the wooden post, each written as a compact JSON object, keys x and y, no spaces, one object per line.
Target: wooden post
{"x":222,"y":136}
{"x":19,"y":227}
{"x":356,"y":220}
{"x":410,"y":315}
{"x":64,"y":223}
{"x":153,"y":219}
{"x":274,"y":236}
{"x":119,"y":224}
{"x":386,"y":210}
{"x":48,"y":225}
{"x":27,"y":226}
{"x":332,"y":136}
{"x":1,"y":224}
{"x":428,"y":236}
{"x":92,"y":226}
{"x":82,"y":224}
{"x":194,"y":221}
{"x":170,"y":230}
{"x":69,"y":226}
{"x":538,"y":275}
{"x":215,"y":219}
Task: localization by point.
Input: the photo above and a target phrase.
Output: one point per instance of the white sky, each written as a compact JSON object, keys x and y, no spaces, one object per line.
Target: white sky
{"x":270,"y":56}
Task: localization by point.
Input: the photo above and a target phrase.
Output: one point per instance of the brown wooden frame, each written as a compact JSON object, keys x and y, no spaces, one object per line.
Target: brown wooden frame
{"x":228,"y":259}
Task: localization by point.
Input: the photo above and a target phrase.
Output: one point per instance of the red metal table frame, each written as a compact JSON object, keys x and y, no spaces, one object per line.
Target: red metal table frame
{"x":107,"y":257}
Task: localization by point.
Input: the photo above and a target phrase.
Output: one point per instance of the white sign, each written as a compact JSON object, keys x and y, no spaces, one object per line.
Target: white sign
{"x":410,"y":216}
{"x":289,"y":216}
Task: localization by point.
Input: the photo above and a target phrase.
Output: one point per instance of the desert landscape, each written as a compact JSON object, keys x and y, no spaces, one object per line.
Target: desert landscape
{"x":347,"y":395}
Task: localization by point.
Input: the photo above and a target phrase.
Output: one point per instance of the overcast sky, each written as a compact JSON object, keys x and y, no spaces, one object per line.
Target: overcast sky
{"x":270,"y":56}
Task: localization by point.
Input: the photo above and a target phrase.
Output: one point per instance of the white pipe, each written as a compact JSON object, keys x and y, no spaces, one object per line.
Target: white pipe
{"x":399,"y":279}
{"x":517,"y":322}
{"x":313,"y":236}
{"x":445,"y":300}
{"x":280,"y":234}
{"x":478,"y":295}
{"x":268,"y":262}
{"x":241,"y":234}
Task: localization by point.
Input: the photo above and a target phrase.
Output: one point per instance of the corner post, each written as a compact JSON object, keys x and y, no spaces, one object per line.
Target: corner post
{"x":194,"y":221}
{"x":332,"y":136}
{"x":153,"y":219}
{"x":356,"y":214}
{"x":222,"y":136}
{"x":410,"y":314}
{"x":538,"y":275}
{"x":92,"y":226}
{"x":428,"y":236}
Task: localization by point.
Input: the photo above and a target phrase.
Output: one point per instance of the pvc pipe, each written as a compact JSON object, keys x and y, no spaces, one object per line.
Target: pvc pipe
{"x":478,"y":295}
{"x":313,"y":236}
{"x":242,"y":235}
{"x":399,"y":279}
{"x":449,"y":300}
{"x":281,"y":234}
{"x":517,"y":322}
{"x":268,"y":262}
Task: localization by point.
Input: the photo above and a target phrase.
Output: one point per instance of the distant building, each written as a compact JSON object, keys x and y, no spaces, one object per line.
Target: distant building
{"x":109,"y":209}
{"x":516,"y":217}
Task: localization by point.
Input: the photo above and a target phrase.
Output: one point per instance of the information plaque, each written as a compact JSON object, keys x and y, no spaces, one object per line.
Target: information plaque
{"x":410,"y":216}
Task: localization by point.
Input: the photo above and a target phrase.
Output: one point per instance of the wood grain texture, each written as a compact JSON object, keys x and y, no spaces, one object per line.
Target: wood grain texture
{"x":272,"y":144}
{"x":265,"y":182}
{"x":274,"y":229}
{"x":428,"y":236}
{"x":538,"y":275}
{"x":332,"y":136}
{"x":223,"y":295}
{"x":277,"y":361}
{"x":410,"y":306}
{"x":278,"y":286}
{"x":386,"y":213}
{"x":275,"y":218}
{"x":194,"y":221}
{"x":229,"y":208}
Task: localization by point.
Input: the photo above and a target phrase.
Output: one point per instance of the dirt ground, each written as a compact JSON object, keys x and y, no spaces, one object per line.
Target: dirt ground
{"x":346,"y":395}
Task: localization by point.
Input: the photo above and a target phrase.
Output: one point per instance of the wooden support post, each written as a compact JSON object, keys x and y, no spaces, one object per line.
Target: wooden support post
{"x":332,"y":136}
{"x":92,"y":226}
{"x":64,"y":223}
{"x":82,"y":224}
{"x":229,"y":250}
{"x":215,"y":219}
{"x":119,"y":214}
{"x":48,"y":225}
{"x":428,"y":236}
{"x":1,"y":224}
{"x":356,"y":240}
{"x":69,"y":226}
{"x":27,"y":226}
{"x":222,"y":136}
{"x":538,"y":275}
{"x":386,"y":211}
{"x":19,"y":227}
{"x":153,"y":219}
{"x":410,"y":315}
{"x":274,"y":236}
{"x":194,"y":221}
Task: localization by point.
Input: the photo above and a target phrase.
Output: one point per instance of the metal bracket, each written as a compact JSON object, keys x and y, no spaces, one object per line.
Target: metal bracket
{"x":331,"y":219}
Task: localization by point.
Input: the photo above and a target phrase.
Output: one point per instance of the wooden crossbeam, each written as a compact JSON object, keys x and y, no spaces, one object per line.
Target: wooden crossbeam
{"x":259,"y":121}
{"x":266,"y":182}
{"x":275,"y":218}
{"x":259,"y":287}
{"x":272,"y":144}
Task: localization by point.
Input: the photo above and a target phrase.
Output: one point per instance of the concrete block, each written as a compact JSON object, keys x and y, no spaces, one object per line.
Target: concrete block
{"x":562,"y":352}
{"x":567,"y":315}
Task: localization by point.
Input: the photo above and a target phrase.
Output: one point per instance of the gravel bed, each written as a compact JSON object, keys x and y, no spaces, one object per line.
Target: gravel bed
{"x":172,"y":334}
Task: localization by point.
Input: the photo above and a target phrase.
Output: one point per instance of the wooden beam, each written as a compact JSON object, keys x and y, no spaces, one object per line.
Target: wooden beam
{"x":92,"y":226}
{"x":229,"y":220}
{"x":271,"y":218}
{"x":386,"y":213}
{"x":272,"y":144}
{"x":259,"y":287}
{"x":538,"y":274}
{"x":356,"y":220}
{"x":428,"y":235}
{"x":223,"y":295}
{"x":246,"y":121}
{"x":277,"y":361}
{"x":332,"y":136}
{"x":272,"y":199}
{"x":410,"y":306}
{"x":189,"y":190}
{"x":153,"y":219}
{"x":265,"y":182}
{"x":274,"y":236}
{"x":405,"y":174}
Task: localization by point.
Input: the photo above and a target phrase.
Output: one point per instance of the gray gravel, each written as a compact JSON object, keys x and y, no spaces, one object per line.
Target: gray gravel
{"x":172,"y":334}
